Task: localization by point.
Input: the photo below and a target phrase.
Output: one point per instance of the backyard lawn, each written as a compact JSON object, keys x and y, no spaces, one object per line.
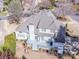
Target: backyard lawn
{"x":3,"y":13}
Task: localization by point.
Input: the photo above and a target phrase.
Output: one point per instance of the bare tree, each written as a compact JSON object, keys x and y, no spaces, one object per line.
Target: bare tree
{"x":15,"y":11}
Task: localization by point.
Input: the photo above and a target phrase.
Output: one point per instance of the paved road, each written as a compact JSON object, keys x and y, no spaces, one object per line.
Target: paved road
{"x":3,"y":17}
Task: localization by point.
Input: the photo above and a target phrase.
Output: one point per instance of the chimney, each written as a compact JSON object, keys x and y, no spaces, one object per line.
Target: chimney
{"x":31,"y":32}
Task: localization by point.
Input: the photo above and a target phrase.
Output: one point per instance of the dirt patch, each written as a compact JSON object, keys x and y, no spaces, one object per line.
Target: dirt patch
{"x":29,"y":54}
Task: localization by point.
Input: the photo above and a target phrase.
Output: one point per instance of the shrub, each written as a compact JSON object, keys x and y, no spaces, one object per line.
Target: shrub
{"x":6,"y":2}
{"x":10,"y":43}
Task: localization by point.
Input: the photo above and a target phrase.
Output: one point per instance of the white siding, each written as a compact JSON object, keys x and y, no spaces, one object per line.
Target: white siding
{"x":21,"y":35}
{"x":31,"y":32}
{"x":48,"y":31}
{"x":46,"y":38}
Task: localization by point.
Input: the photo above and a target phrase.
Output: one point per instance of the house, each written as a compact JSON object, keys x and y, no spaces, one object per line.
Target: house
{"x":41,"y":27}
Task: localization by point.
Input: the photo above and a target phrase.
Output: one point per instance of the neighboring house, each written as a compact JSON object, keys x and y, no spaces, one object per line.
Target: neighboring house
{"x":41,"y":27}
{"x":1,"y":5}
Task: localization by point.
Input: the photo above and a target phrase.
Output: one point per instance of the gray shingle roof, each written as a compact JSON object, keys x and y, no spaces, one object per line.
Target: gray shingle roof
{"x":44,"y":19}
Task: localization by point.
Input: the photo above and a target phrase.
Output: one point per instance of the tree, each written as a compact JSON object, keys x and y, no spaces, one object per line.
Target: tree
{"x":15,"y":11}
{"x":6,"y":2}
{"x":52,"y":1}
{"x":10,"y":43}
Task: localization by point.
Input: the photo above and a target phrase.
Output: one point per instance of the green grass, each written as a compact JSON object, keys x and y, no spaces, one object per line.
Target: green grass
{"x":3,"y":13}
{"x":10,"y":43}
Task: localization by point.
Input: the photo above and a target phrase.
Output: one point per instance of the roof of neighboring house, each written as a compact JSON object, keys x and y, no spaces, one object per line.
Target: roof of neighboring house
{"x":63,"y":8}
{"x":75,"y":17}
{"x":77,"y":1}
{"x":44,"y":19}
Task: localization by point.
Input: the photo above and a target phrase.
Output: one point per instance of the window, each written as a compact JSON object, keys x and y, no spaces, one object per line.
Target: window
{"x":46,"y":38}
{"x":45,"y":30}
{"x":40,"y":30}
{"x":48,"y":31}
